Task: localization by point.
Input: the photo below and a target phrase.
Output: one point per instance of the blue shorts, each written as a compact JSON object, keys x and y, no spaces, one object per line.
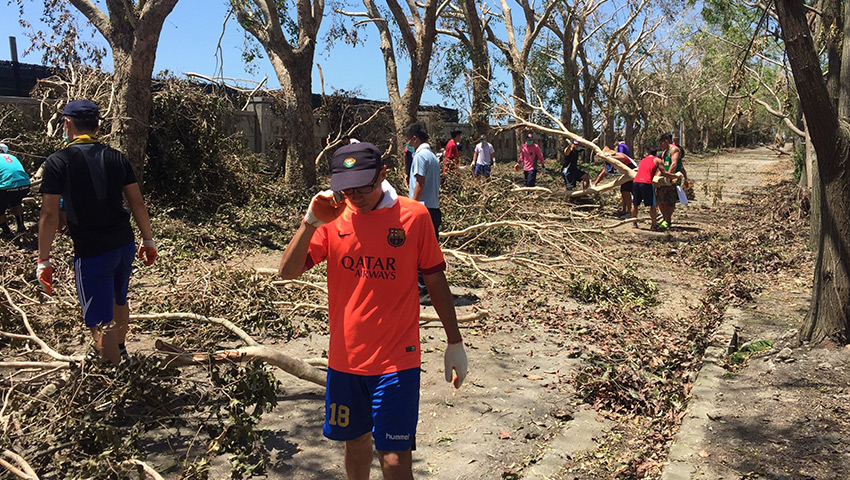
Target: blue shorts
{"x":102,"y":281}
{"x":482,"y":170}
{"x":643,"y":192}
{"x":386,"y":405}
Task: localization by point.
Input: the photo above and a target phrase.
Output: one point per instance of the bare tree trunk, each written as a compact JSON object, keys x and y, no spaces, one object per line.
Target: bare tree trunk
{"x":816,"y":188}
{"x":480,"y":109}
{"x":829,"y":314}
{"x":132,"y":30}
{"x":302,"y":144}
{"x":520,"y":106}
{"x":132,"y":86}
{"x":293,"y":65}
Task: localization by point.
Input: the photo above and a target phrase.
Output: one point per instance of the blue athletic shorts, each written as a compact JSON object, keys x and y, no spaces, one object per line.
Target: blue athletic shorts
{"x":643,"y":192}
{"x":387,"y":405}
{"x":482,"y":170}
{"x":102,"y":281}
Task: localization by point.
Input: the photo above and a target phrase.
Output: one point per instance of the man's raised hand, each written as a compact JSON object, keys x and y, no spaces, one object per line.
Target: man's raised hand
{"x":324,"y":208}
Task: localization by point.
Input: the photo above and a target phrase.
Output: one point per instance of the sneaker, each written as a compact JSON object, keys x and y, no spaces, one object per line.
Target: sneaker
{"x":656,"y":228}
{"x":634,"y":225}
{"x":128,"y":360}
{"x":663,"y":225}
{"x":625,"y":216}
{"x":92,"y":355}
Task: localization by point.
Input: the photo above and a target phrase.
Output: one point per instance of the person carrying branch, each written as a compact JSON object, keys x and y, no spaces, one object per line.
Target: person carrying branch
{"x":569,"y":168}
{"x":94,"y":180}
{"x":668,"y":197}
{"x":374,"y":242}
{"x":625,"y":188}
{"x":644,"y":191}
{"x":14,"y":186}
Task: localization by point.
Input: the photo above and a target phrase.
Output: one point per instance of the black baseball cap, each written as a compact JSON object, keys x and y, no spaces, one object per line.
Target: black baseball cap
{"x":354,"y":165}
{"x":81,"y":109}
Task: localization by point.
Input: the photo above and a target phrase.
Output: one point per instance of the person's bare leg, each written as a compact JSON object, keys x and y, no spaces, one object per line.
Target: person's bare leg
{"x":666,"y":211}
{"x":121,"y":319}
{"x":396,"y":465}
{"x":358,"y":457}
{"x":627,"y":201}
{"x":653,"y":212}
{"x":18,"y":212}
{"x":105,"y":343}
{"x":634,"y":212}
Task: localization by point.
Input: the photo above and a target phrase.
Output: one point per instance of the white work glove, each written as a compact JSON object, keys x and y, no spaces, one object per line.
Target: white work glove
{"x":455,"y":359}
{"x":44,"y":274}
{"x":323,"y":209}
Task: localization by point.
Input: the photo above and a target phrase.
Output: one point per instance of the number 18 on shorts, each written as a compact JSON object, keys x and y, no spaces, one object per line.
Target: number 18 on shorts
{"x":386,"y":405}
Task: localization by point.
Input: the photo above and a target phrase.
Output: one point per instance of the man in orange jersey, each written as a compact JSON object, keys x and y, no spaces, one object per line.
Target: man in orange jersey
{"x":374,"y":242}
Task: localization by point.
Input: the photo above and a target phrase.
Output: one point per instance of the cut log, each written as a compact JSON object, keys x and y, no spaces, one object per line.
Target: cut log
{"x":272,"y":356}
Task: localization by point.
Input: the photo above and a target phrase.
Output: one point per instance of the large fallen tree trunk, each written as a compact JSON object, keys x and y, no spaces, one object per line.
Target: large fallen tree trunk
{"x":272,"y":356}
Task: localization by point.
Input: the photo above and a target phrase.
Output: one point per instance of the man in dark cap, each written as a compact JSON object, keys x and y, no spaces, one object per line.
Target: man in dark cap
{"x":93,"y":180}
{"x":374,"y":242}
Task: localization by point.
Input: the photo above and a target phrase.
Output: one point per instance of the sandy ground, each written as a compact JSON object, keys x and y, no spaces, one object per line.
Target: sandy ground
{"x":517,"y":397}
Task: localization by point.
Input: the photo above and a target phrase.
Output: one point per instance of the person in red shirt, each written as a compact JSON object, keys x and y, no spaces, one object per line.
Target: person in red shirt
{"x":451,"y":157}
{"x":644,"y":191}
{"x":374,"y":242}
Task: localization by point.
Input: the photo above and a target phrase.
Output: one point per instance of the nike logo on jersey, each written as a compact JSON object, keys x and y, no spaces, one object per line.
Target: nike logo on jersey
{"x":341,"y":234}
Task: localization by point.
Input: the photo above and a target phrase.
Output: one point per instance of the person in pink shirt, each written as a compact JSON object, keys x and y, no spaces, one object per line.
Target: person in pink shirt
{"x":528,"y":156}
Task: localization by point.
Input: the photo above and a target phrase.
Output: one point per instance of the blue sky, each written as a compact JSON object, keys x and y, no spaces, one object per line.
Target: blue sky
{"x":189,"y":39}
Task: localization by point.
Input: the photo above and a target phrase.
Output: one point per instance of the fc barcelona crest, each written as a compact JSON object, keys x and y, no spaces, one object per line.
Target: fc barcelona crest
{"x":396,"y":237}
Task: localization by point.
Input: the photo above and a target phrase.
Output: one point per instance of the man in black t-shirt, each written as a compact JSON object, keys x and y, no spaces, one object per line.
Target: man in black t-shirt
{"x":569,"y":167}
{"x":93,"y":180}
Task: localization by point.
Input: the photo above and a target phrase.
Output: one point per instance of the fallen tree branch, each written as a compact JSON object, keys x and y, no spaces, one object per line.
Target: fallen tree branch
{"x":270,"y":355}
{"x":471,"y":317}
{"x":38,"y":365}
{"x":32,"y":336}
{"x":534,"y":226}
{"x":145,"y":467}
{"x":300,"y":282}
{"x":233,"y":328}
{"x":27,"y":473}
{"x":531,"y":189}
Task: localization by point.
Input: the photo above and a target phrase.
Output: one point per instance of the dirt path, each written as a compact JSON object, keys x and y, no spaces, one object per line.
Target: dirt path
{"x":517,"y":398}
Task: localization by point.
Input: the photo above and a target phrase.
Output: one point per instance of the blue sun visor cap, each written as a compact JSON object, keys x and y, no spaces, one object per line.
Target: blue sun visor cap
{"x":81,"y":109}
{"x":354,"y":165}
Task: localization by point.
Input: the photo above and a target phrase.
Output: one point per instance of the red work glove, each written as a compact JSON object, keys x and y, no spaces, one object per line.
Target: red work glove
{"x":516,"y":167}
{"x":44,"y":272}
{"x":324,"y":208}
{"x":147,"y":252}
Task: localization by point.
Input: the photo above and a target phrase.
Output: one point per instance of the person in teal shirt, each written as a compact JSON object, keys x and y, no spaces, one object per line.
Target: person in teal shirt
{"x":14,"y":186}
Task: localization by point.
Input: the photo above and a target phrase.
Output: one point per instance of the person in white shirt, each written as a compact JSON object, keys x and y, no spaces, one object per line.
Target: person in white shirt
{"x":483,"y":157}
